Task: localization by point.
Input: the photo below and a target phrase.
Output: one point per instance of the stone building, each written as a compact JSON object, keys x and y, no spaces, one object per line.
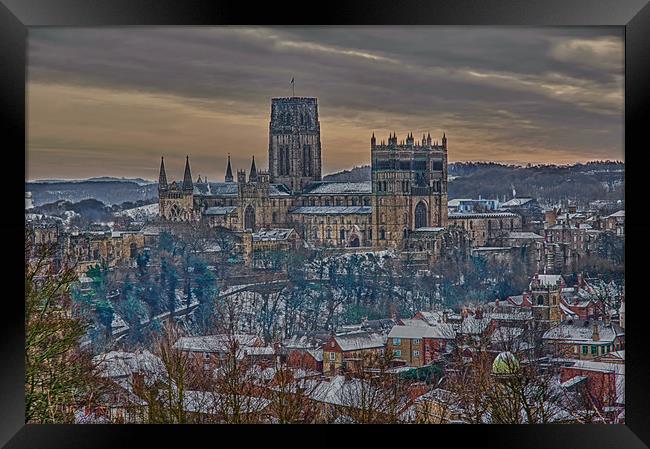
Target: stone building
{"x":408,"y":188}
{"x":488,"y":228}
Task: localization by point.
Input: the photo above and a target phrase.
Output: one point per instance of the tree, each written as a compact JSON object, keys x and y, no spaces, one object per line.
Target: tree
{"x":59,"y":375}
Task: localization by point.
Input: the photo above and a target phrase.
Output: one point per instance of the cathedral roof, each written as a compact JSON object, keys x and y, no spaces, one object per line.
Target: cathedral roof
{"x":337,"y":188}
{"x":220,"y":210}
{"x":332,"y":210}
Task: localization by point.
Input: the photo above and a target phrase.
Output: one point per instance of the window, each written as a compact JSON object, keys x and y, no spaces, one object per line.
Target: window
{"x":332,"y":356}
{"x":382,"y":234}
{"x":206,"y":355}
{"x":397,"y":353}
{"x":416,"y":353}
{"x":416,"y":341}
{"x":332,"y":344}
{"x":594,"y":350}
{"x":584,"y":350}
{"x":397,"y":341}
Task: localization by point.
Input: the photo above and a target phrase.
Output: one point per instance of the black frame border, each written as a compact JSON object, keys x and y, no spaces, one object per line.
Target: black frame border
{"x":634,"y":15}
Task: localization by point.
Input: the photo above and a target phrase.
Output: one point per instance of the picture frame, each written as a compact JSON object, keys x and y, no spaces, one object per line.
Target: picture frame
{"x":16,"y":18}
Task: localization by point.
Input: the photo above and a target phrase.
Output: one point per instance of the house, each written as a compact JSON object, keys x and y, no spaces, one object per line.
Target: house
{"x":345,"y":352}
{"x":438,"y":406}
{"x":584,"y":339}
{"x":208,"y":350}
{"x":420,"y":345}
{"x":616,"y":222}
{"x":605,"y":382}
{"x":128,"y":373}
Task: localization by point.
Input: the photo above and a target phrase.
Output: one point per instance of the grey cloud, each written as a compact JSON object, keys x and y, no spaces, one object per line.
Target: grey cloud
{"x":557,"y":87}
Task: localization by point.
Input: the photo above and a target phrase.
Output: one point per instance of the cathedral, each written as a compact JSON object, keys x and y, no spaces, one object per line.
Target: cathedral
{"x":407,"y":194}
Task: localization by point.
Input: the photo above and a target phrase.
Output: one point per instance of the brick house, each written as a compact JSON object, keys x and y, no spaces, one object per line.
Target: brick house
{"x":584,"y":339}
{"x":420,"y":345}
{"x":344,"y":353}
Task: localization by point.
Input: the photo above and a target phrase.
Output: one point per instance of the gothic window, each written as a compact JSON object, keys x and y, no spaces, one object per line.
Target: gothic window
{"x":354,"y":200}
{"x":382,"y":234}
{"x":512,"y":224}
{"x":342,"y":234}
{"x":421,"y":219}
{"x":134,"y":250}
{"x":406,"y":233}
{"x":366,"y":201}
{"x":370,"y":234}
{"x":275,"y":217}
{"x":306,"y":160}
{"x":249,"y":218}
{"x":540,"y":300}
{"x":175,"y":212}
{"x":287,"y":161}
{"x":328,"y":233}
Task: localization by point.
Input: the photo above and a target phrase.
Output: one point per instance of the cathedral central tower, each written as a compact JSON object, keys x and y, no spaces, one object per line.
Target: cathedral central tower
{"x":294,"y":142}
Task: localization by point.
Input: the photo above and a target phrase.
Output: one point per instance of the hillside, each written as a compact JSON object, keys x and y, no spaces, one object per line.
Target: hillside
{"x":548,"y":183}
{"x":108,"y":191}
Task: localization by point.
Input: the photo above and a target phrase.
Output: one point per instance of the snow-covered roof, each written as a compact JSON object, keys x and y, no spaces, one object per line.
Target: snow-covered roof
{"x":548,"y":279}
{"x":215,"y":343}
{"x":338,"y":188}
{"x":440,"y":330}
{"x":620,"y":213}
{"x":617,"y":368}
{"x":332,"y":210}
{"x":516,"y":202}
{"x":121,"y":364}
{"x":461,"y":215}
{"x":429,"y":229}
{"x":524,"y":235}
{"x":359,"y":340}
{"x":272,"y":234}
{"x":581,"y":332}
{"x":414,"y":322}
{"x":213,"y":403}
{"x":220,"y":210}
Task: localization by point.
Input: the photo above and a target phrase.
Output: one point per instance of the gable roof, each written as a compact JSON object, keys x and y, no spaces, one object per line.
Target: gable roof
{"x":356,"y":341}
{"x":440,"y":330}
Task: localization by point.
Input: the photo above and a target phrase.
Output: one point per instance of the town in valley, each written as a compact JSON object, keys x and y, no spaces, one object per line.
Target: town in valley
{"x":277,"y":294}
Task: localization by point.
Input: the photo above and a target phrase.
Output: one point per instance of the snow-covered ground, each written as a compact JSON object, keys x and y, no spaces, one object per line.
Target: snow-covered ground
{"x":142,"y":212}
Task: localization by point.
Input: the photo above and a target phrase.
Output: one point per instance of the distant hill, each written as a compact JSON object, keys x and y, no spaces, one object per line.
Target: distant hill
{"x":357,"y":174}
{"x":108,"y":191}
{"x":548,"y":183}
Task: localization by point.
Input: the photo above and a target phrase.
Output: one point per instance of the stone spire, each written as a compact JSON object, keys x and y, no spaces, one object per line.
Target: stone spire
{"x":252,"y":177}
{"x":162,"y":178}
{"x":228,"y":171}
{"x":187,"y":179}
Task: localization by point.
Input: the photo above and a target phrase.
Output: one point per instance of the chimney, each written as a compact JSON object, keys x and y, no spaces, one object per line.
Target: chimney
{"x":595,"y":336}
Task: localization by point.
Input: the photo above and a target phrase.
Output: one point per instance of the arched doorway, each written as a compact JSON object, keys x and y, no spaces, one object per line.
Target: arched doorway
{"x":249,"y":218}
{"x":421,"y":217}
{"x":354,"y":241}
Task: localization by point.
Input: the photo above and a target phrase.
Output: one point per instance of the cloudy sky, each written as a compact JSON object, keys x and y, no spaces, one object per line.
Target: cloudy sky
{"x":111,"y":101}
